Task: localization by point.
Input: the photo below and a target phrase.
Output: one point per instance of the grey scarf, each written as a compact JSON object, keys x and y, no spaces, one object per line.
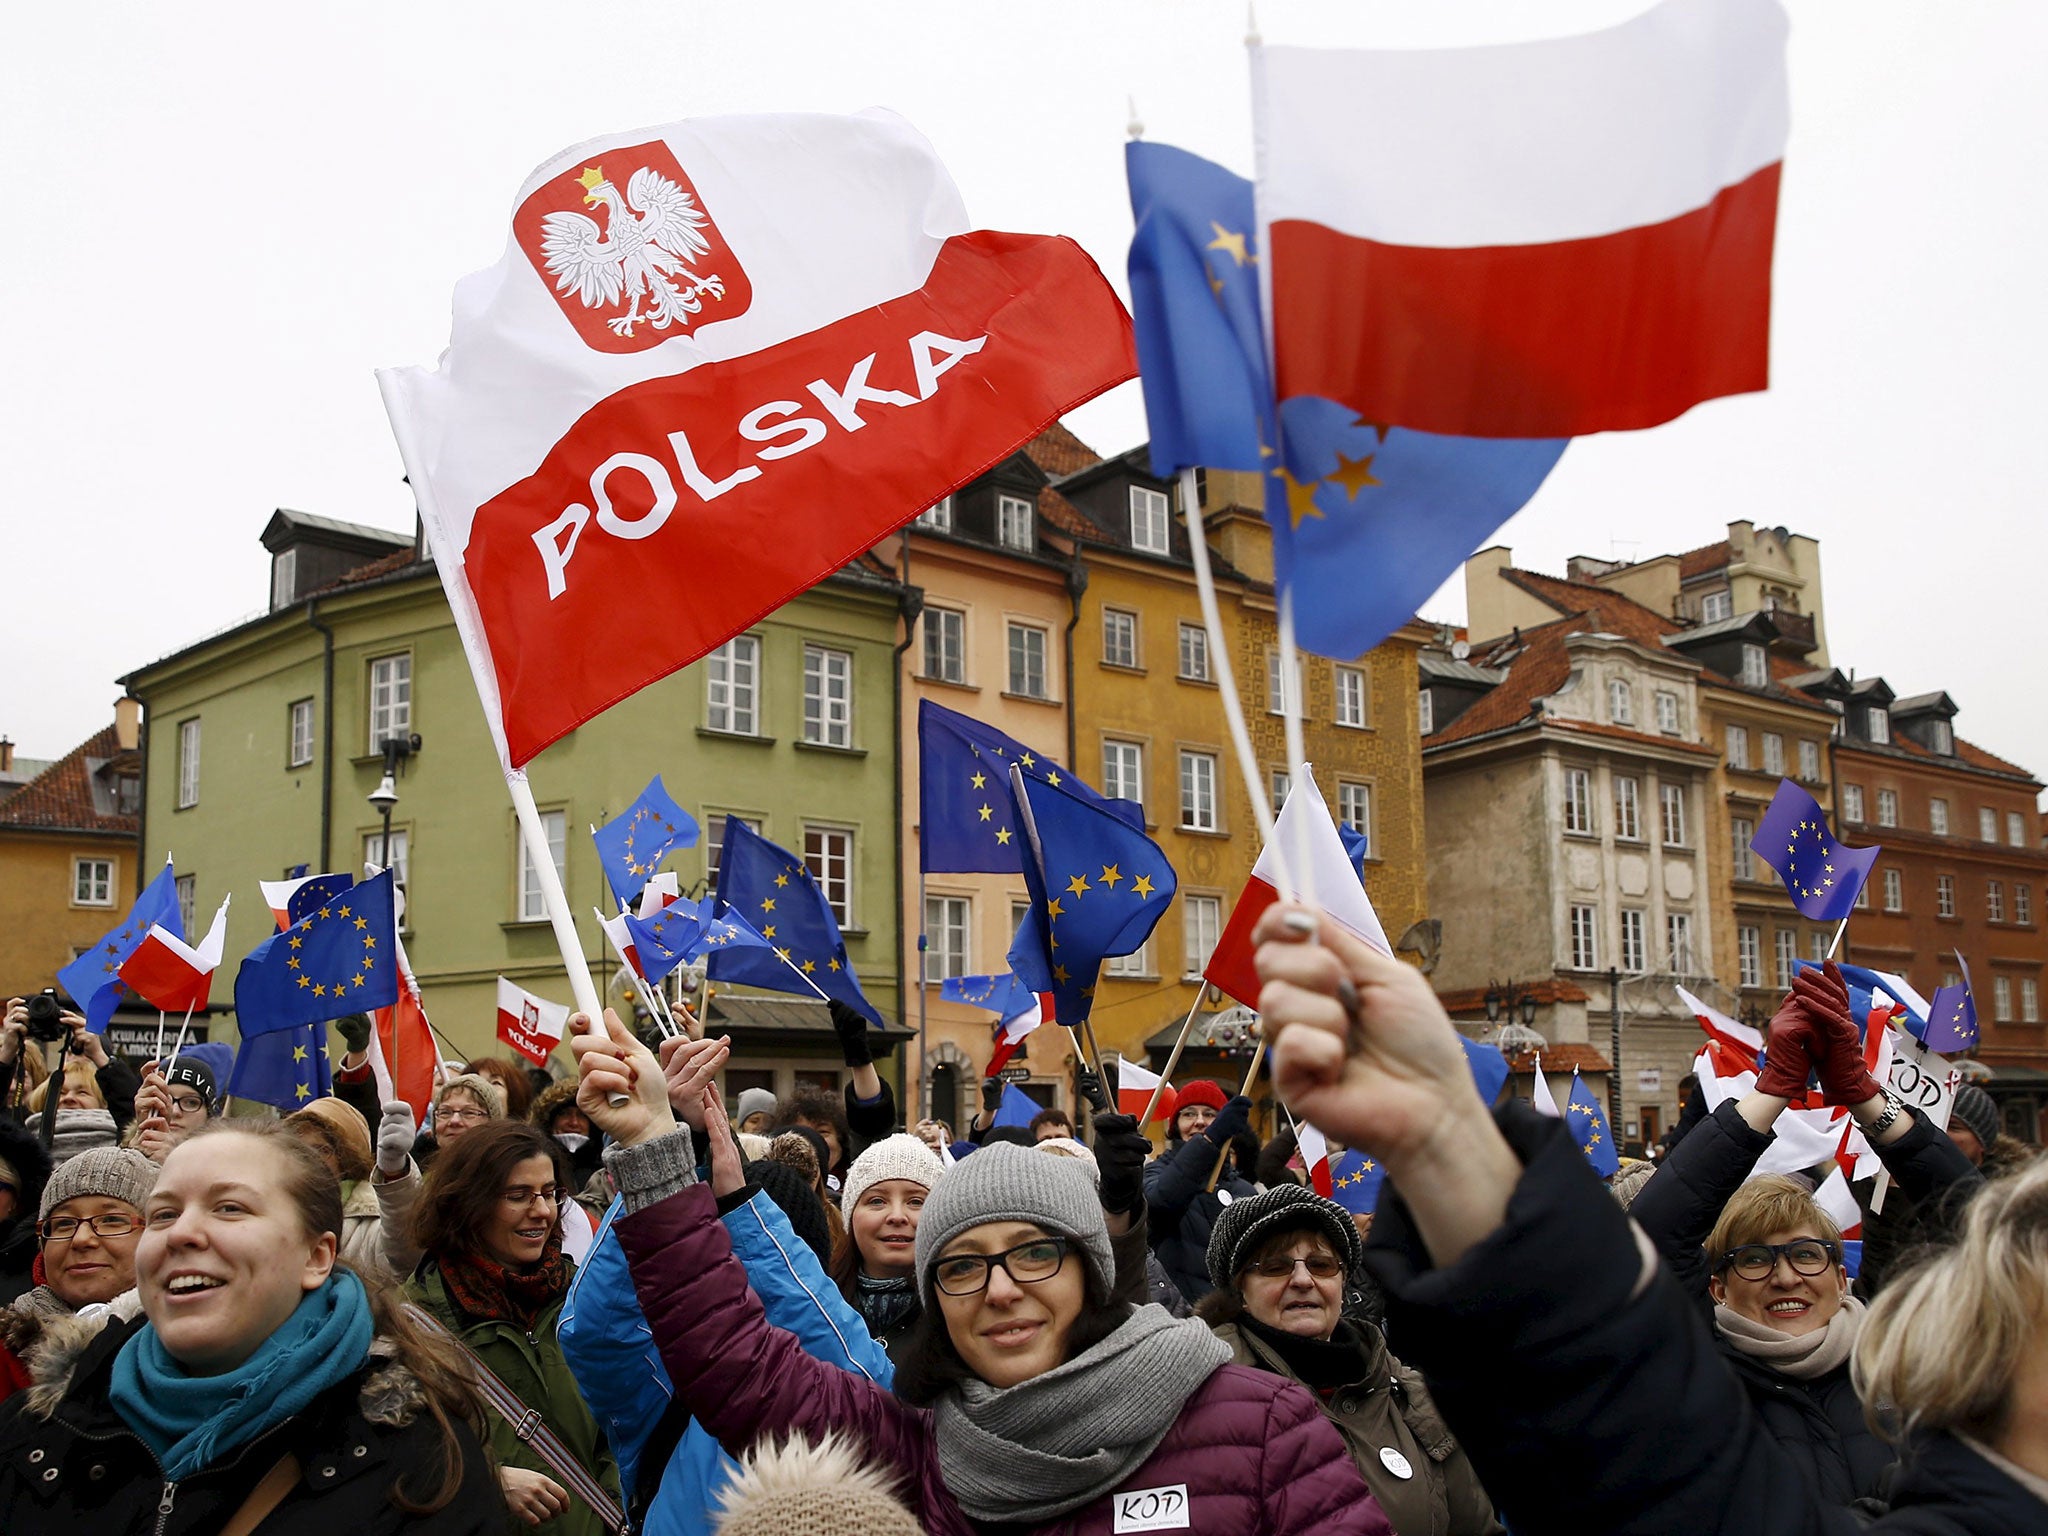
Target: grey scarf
{"x":1050,"y":1444}
{"x":1804,"y":1358}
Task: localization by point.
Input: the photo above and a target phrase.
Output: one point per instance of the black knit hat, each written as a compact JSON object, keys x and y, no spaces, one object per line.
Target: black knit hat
{"x":800,"y":1203}
{"x":191,"y":1072}
{"x":1979,"y":1111}
{"x":1245,"y":1224}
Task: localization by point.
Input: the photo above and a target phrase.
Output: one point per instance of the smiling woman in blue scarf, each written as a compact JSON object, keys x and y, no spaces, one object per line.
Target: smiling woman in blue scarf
{"x":266,"y":1386}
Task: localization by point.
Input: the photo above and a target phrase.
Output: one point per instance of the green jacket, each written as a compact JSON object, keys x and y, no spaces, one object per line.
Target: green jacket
{"x":531,"y":1364}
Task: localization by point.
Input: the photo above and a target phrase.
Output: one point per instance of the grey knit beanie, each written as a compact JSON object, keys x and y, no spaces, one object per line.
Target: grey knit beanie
{"x":753,"y":1101}
{"x":1246,"y":1223}
{"x":1006,"y":1183}
{"x":1977,"y":1110}
{"x":117,"y":1173}
{"x":893,"y":1157}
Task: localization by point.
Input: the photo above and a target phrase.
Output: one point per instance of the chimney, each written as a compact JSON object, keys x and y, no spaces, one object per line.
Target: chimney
{"x":6,"y":755}
{"x":128,"y":723}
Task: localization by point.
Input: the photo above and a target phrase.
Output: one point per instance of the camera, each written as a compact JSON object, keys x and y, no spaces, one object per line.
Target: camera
{"x":45,"y":1018}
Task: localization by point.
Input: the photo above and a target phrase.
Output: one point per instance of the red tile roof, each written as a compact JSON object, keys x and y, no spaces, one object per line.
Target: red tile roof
{"x":1552,"y":989}
{"x":1059,"y":453}
{"x":1539,"y":668}
{"x":60,"y":798}
{"x":1613,"y":614}
{"x":1698,"y":562}
{"x":1565,"y":1056}
{"x":383,"y":565}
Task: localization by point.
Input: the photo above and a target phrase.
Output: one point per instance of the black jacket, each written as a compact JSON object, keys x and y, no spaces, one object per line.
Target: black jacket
{"x":1947,"y":1489}
{"x":25,"y":1154}
{"x":1182,"y":1212}
{"x":72,"y":1466}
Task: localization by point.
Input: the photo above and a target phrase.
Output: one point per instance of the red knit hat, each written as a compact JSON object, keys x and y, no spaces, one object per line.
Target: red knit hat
{"x":1201,"y":1091}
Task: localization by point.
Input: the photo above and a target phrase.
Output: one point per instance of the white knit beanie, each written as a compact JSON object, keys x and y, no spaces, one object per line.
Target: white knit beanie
{"x":893,"y":1157}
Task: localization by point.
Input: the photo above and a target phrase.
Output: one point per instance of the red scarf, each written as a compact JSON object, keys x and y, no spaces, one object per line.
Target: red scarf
{"x":485,"y":1289}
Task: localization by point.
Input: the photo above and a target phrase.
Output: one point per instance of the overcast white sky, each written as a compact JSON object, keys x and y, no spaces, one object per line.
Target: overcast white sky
{"x":223,"y":216}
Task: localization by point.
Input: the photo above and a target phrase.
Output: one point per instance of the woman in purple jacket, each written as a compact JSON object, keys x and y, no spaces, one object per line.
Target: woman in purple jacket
{"x":1026,"y":1396}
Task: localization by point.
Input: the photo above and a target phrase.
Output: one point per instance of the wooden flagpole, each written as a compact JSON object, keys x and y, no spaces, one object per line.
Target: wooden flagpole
{"x":1172,"y":1061}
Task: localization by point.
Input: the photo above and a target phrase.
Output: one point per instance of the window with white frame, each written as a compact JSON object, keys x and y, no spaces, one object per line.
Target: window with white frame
{"x":1852,"y":802}
{"x":1123,"y":770}
{"x":1749,"y":956}
{"x":1937,"y":816}
{"x":2030,"y":1000}
{"x":1013,"y":523}
{"x":1785,"y":951}
{"x":1201,"y":920}
{"x":1628,"y":811}
{"x":1425,"y":712}
{"x":186,"y":888}
{"x":828,"y":855}
{"x":714,"y":841}
{"x":1678,"y":940}
{"x":400,"y":862}
{"x":2001,"y":999}
{"x":946,"y":927}
{"x":1350,"y":695}
{"x":1148,"y":520}
{"x":1809,"y":761}
{"x":1198,"y":791}
{"x":828,"y":696}
{"x":1817,"y":946}
{"x":1277,"y":698}
{"x":1354,"y":810}
{"x":533,"y":906}
{"x":299,"y":734}
{"x":284,"y":573}
{"x":1621,"y":701}
{"x":2023,"y":903}
{"x":1119,"y":638}
{"x":92,"y":883}
{"x":1667,"y":712}
{"x":1894,"y":891}
{"x":1740,"y":831}
{"x":1987,"y":824}
{"x":1944,"y":895}
{"x":945,"y":645}
{"x":1585,"y":930}
{"x":1994,"y":900}
{"x":390,"y":700}
{"x":1633,"y":959}
{"x":1672,"y":798}
{"x":1137,"y":963}
{"x":1862,"y":902}
{"x":1756,"y":669}
{"x":1774,"y":753}
{"x":188,"y":763}
{"x":1738,"y":746}
{"x":1194,"y":653}
{"x":1578,"y":801}
{"x":938,"y":516}
{"x":1715,"y":607}
{"x":1027,"y":644}
{"x":1279,"y":786}
{"x":1878,"y":721}
{"x":1887,"y":808}
{"x":2015,"y":829}
{"x":732,"y":687}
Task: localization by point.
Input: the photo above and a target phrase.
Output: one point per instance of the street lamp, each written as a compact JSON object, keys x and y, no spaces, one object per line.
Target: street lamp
{"x":385,"y":796}
{"x":1510,"y":1000}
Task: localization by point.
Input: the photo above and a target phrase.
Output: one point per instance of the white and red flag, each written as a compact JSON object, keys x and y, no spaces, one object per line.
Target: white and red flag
{"x":1314,"y":1148}
{"x":172,"y":975}
{"x":1535,"y":240}
{"x":403,"y":1056}
{"x":1316,"y":859}
{"x":717,"y":361}
{"x":1734,"y":1045}
{"x":1134,"y":1085}
{"x":1012,"y":1031}
{"x":531,"y":1025}
{"x":1540,"y":1094}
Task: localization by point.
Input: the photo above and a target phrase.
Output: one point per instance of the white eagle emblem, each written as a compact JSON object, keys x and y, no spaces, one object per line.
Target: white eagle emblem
{"x":652,"y":235}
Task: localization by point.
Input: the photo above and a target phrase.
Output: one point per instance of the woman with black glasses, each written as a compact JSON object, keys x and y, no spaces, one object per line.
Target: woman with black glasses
{"x":1284,"y":1263}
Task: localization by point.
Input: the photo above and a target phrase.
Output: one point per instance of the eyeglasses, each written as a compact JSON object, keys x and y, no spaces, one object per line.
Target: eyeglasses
{"x":61,"y":1229}
{"x":521,"y":1196}
{"x":189,"y":1104}
{"x":458,"y":1113}
{"x":1323,"y":1266}
{"x":1808,"y":1256}
{"x":966,"y":1274}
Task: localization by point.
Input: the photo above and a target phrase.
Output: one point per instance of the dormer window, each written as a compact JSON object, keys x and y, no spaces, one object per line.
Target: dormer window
{"x":1756,"y":671}
{"x":1148,"y":520}
{"x":1878,"y":725}
{"x":1715,"y":607}
{"x":1621,"y":702}
{"x":1013,"y":522}
{"x":1940,"y":738}
{"x":938,"y":516}
{"x":284,"y":576}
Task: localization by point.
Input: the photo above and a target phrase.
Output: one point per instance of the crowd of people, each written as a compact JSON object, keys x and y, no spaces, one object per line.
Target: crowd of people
{"x":615,"y":1300}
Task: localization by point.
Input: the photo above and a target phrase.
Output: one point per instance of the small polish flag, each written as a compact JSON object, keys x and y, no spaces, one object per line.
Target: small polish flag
{"x":531,"y":1025}
{"x":1304,"y":832}
{"x":1134,"y":1086}
{"x":403,"y":1055}
{"x":174,"y":975}
{"x":1734,"y":1046}
{"x":1315,"y":1157}
{"x":622,"y":939}
{"x":277,"y":895}
{"x":1835,"y":1197}
{"x":661,"y":891}
{"x":1544,"y":1099}
{"x":1011,"y":1032}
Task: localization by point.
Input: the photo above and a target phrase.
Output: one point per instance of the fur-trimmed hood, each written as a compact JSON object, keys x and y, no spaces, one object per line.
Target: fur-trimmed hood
{"x":800,"y":1487}
{"x":550,"y":1099}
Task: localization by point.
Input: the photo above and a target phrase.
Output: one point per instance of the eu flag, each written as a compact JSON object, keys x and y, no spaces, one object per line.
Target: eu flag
{"x":316,"y":893}
{"x":1355,"y":1180}
{"x":686,"y":930}
{"x":633,"y":843}
{"x":966,"y":815}
{"x":1356,"y":845}
{"x":1821,"y":874}
{"x":1587,"y":1122}
{"x":775,"y":893}
{"x":1004,"y":995}
{"x":1367,"y":520}
{"x":93,"y":980}
{"x":1952,"y":1016}
{"x":1098,"y":887}
{"x":340,"y":957}
{"x":285,"y":1068}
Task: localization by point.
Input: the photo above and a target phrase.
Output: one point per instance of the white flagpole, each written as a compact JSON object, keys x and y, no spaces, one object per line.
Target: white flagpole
{"x":1297,"y":753}
{"x":181,"y":1041}
{"x":158,"y":1058}
{"x":658,"y":1013}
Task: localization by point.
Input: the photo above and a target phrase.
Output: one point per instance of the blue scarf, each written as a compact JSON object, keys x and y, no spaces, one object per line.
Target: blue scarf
{"x":191,"y":1422}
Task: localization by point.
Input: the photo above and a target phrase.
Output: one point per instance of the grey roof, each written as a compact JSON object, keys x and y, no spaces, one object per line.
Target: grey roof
{"x":802,"y":1015}
{"x":1715,"y":630}
{"x":1933,"y":703}
{"x":334,"y":525}
{"x":1450,"y":670}
{"x":1820,"y":677}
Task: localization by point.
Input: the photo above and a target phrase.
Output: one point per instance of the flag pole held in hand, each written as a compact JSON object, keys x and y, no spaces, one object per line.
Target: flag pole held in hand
{"x":1244,"y":1091}
{"x":1173,"y":1060}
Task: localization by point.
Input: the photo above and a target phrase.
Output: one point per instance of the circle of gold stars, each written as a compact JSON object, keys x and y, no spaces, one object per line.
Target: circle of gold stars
{"x":341,"y":984}
{"x":1818,"y":833}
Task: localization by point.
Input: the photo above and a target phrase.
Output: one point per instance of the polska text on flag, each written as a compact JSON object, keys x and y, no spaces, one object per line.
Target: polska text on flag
{"x":531,"y":1025}
{"x":698,"y":336}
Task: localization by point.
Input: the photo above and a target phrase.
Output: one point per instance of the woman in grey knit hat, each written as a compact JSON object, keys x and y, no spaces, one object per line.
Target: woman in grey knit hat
{"x":1025,"y":1394}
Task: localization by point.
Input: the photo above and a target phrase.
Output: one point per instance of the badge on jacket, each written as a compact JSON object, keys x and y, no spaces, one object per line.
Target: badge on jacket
{"x":1151,"y":1509}
{"x":1395,"y":1462}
